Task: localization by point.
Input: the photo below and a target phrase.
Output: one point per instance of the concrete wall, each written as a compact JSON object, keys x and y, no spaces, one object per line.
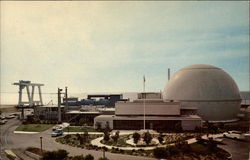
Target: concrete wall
{"x":190,"y":124}
{"x":131,"y":108}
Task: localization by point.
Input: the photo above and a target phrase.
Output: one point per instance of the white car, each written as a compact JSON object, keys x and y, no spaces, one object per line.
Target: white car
{"x":10,"y":116}
{"x":2,"y":117}
{"x":57,"y":127}
{"x":57,"y":132}
{"x":3,"y":121}
{"x":234,"y":135}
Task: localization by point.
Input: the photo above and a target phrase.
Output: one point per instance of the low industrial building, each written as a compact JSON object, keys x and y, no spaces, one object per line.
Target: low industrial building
{"x":159,"y":115}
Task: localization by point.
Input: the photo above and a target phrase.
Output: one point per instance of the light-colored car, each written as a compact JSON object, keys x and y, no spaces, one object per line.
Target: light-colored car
{"x":234,"y":134}
{"x":10,"y":116}
{"x":57,"y":127}
{"x":2,"y":117}
{"x":3,"y":121}
{"x":57,"y":133}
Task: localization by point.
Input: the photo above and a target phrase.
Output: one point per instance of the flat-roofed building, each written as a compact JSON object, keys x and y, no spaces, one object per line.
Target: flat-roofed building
{"x":159,"y":115}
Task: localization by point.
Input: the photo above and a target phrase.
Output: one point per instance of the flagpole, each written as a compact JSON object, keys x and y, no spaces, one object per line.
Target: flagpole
{"x":144,"y":97}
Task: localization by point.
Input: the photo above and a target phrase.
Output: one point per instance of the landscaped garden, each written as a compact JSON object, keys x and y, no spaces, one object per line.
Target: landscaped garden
{"x":79,"y":140}
{"x":171,"y":145}
{"x":33,"y":127}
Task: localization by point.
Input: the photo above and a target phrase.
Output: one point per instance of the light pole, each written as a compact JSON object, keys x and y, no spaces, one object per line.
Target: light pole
{"x":41,"y":141}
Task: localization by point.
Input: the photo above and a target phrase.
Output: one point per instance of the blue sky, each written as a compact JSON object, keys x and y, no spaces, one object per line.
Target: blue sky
{"x":108,"y":46}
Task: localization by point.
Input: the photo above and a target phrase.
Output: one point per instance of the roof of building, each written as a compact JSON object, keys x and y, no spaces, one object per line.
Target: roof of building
{"x":201,"y":82}
{"x":113,"y":117}
{"x":80,"y":112}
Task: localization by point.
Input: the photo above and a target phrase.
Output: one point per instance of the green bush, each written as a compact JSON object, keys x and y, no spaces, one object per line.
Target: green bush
{"x":106,"y":136}
{"x":89,"y":157}
{"x":136,"y":137}
{"x":78,"y":157}
{"x":59,"y":154}
{"x":147,"y":138}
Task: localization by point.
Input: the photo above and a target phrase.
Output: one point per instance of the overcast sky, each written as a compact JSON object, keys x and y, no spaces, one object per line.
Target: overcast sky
{"x":108,"y":46}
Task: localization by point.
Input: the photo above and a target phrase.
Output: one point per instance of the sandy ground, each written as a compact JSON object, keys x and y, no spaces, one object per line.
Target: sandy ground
{"x":8,"y":108}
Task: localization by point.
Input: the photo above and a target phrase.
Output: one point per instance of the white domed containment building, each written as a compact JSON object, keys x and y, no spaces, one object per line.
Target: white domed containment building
{"x":209,"y":89}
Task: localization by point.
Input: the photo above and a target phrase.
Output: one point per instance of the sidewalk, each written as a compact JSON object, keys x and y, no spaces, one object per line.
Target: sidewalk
{"x":97,"y":142}
{"x":69,"y":133}
{"x":23,"y":132}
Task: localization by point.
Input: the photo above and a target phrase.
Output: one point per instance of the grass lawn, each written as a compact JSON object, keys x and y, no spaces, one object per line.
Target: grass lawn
{"x":79,"y":129}
{"x":34,"y":127}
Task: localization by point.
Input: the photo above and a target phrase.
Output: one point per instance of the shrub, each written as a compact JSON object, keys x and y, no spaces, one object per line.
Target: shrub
{"x":136,"y":137}
{"x":147,"y":138}
{"x":89,"y":157}
{"x":98,"y":126}
{"x":59,"y":154}
{"x":103,"y":158}
{"x":78,"y":157}
{"x":160,"y":153}
{"x":106,"y":136}
{"x":107,"y":127}
{"x":160,"y":139}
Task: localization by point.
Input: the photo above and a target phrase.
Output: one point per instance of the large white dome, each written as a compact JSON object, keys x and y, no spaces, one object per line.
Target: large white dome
{"x":206,"y":87}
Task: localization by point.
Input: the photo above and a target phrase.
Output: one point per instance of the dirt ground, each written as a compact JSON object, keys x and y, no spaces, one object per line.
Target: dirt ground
{"x":7,"y":108}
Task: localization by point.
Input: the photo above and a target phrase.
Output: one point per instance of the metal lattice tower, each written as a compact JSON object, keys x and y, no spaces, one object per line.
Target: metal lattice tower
{"x":27,"y":84}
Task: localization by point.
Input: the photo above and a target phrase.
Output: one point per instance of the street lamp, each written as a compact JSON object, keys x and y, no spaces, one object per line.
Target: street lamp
{"x":41,"y":141}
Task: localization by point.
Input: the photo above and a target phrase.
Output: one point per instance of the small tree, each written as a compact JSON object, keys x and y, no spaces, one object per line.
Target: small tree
{"x":61,"y":154}
{"x":107,"y":127}
{"x":106,"y":136}
{"x":147,"y":138}
{"x":116,"y":136}
{"x":136,"y":137}
{"x":160,"y":139}
{"x":98,"y":126}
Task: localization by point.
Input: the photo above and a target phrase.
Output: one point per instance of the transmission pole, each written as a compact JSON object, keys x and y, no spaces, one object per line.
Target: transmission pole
{"x":59,"y":106}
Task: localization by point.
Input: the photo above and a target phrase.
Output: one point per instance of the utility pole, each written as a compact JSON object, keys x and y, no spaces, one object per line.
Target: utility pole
{"x":59,"y":106}
{"x":144,"y":97}
{"x":66,"y":97}
{"x":168,"y":74}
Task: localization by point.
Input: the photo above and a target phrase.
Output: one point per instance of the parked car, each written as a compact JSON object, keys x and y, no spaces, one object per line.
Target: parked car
{"x":57,"y":127}
{"x":10,"y":116}
{"x":234,"y":134}
{"x":57,"y":133}
{"x":2,"y":117}
{"x":3,"y":121}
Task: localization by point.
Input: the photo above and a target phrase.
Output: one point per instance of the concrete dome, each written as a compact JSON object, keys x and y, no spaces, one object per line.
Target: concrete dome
{"x":208,"y":88}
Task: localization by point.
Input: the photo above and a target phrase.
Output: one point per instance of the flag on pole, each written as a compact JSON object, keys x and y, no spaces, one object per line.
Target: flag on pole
{"x":144,"y":80}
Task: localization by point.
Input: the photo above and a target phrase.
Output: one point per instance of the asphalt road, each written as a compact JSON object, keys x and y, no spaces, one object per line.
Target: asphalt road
{"x":10,"y":140}
{"x":240,"y":150}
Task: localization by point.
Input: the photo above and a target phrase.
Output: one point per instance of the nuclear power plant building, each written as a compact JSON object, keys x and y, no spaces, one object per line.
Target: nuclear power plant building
{"x":194,"y":94}
{"x":159,"y":115}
